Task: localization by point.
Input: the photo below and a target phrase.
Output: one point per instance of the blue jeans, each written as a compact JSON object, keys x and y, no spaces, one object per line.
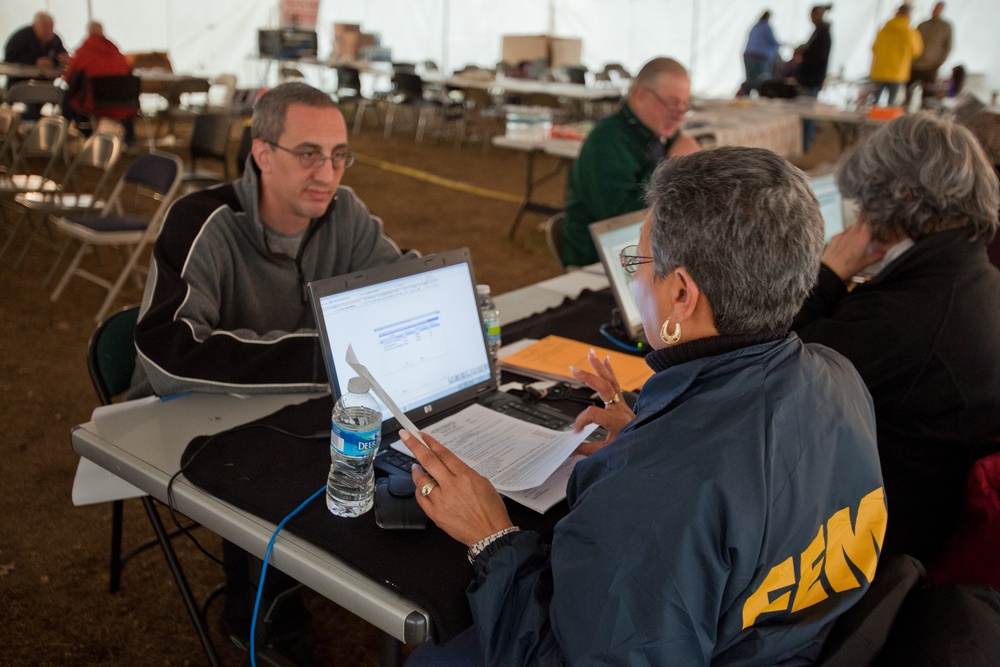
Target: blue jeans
{"x":893,"y":87}
{"x":758,"y":70}
{"x":808,"y":125}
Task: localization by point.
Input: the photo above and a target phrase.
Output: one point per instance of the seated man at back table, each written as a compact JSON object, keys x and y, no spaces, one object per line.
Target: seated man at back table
{"x":621,"y":153}
{"x":226,"y":307}
{"x":36,"y":45}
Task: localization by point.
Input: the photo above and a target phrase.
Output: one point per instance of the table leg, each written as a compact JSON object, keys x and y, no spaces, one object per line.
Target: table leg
{"x":180,"y":579}
{"x":529,"y":189}
{"x":391,"y":649}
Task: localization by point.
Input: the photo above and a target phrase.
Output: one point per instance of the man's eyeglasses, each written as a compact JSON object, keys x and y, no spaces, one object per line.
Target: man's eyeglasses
{"x":309,"y":158}
{"x":670,"y":103}
{"x":630,"y":260}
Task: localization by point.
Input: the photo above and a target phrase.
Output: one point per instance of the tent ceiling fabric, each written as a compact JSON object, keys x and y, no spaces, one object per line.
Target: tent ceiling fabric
{"x":209,"y":38}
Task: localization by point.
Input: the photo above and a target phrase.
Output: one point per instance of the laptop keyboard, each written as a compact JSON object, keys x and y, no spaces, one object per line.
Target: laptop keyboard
{"x":513,"y":406}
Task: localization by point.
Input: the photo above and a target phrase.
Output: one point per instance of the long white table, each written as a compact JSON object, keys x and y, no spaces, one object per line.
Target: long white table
{"x":524,"y":302}
{"x":142,"y":442}
{"x":777,"y":128}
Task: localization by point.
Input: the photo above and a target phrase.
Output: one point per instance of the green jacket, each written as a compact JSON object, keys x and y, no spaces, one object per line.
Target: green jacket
{"x":608,"y":179}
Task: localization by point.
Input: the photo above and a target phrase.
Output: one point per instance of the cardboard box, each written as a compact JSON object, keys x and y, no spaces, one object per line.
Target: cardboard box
{"x":565,"y":51}
{"x":554,"y":51}
{"x":346,"y":37}
{"x":520,"y":48}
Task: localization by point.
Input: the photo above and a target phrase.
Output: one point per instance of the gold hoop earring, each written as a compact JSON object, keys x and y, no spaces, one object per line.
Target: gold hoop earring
{"x":670,"y":339}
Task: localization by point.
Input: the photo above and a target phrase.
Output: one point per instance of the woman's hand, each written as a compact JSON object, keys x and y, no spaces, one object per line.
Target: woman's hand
{"x":852,"y":250}
{"x":458,"y":499}
{"x":615,"y":413}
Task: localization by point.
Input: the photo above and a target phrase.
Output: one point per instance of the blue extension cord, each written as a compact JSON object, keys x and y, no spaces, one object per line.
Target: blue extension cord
{"x":263,"y":573}
{"x":606,"y":332}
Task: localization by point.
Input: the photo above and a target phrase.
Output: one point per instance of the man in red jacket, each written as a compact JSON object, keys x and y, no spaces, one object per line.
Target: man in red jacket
{"x":96,"y":56}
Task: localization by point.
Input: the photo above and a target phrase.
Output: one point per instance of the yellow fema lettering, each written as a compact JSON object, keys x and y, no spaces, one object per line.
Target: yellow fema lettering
{"x":843,"y":546}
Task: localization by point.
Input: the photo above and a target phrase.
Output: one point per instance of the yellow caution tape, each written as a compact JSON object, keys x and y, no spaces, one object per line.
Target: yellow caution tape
{"x":428,"y":177}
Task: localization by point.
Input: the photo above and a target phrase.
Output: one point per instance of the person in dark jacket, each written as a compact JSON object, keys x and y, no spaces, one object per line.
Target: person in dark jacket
{"x":739,"y":511}
{"x":922,"y":325}
{"x":813,"y":60}
{"x":39,"y":46}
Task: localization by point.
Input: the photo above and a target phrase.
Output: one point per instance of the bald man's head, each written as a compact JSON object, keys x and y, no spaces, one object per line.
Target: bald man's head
{"x":44,"y":26}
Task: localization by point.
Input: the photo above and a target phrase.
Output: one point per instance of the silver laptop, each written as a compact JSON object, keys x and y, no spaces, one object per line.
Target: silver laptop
{"x":610,"y":236}
{"x":416,"y":326}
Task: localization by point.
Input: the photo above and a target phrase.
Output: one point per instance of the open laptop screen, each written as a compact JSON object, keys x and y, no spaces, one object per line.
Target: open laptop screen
{"x":831,"y":203}
{"x":610,"y":236}
{"x":414,"y":324}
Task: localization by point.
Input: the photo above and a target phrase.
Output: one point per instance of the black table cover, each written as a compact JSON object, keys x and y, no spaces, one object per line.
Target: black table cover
{"x":269,"y":474}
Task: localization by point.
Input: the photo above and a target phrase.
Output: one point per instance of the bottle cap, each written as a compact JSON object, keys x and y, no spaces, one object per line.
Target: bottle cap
{"x":358,"y":385}
{"x":482,"y":289}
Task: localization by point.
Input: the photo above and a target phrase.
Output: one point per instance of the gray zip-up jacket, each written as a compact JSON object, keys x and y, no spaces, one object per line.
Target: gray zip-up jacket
{"x":222,"y":313}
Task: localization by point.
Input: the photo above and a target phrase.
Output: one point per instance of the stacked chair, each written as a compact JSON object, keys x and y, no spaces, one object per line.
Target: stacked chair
{"x":33,"y":165}
{"x":82,"y":189}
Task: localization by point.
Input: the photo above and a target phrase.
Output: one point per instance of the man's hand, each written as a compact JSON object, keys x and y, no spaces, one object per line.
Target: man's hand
{"x":615,"y":413}
{"x":458,"y":499}
{"x":852,"y":250}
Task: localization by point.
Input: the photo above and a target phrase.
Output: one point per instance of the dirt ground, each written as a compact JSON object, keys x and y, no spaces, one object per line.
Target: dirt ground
{"x":55,"y":608}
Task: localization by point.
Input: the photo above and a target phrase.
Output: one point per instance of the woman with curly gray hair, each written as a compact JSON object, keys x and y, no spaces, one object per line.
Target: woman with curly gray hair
{"x":922,"y":320}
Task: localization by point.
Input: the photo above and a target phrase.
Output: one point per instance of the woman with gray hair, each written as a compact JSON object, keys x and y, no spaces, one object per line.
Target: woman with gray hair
{"x":748,"y":451}
{"x":922,"y":325}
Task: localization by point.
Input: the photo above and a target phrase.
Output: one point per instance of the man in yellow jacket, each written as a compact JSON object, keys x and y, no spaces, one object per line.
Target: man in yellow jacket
{"x":895,"y":47}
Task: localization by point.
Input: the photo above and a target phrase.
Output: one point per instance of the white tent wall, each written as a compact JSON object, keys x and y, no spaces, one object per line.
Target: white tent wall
{"x":205,"y":38}
{"x":707,"y":35}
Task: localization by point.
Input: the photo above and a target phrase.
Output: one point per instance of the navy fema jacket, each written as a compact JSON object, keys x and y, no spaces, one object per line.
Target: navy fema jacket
{"x":730,"y":523}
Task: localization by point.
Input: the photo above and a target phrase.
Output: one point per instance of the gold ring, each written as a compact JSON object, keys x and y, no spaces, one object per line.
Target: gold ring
{"x":614,"y":400}
{"x":426,"y":489}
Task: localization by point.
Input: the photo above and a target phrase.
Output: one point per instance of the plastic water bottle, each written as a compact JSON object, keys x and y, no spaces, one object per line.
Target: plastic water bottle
{"x":491,"y":321}
{"x":355,"y":434}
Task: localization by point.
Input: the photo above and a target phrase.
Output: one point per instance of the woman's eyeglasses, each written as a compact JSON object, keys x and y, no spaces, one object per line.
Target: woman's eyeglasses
{"x":630,"y":259}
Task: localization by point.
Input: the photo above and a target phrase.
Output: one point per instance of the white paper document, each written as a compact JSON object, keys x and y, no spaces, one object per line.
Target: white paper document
{"x":514,"y":455}
{"x":552,"y":491}
{"x":511,"y":453}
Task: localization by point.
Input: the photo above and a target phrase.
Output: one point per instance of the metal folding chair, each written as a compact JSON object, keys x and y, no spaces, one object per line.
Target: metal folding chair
{"x":112,"y":95}
{"x":81,"y":190}
{"x":10,"y":120}
{"x":36,"y":93}
{"x":209,"y":140}
{"x":152,"y":180}
{"x":36,"y":158}
{"x":33,"y":165}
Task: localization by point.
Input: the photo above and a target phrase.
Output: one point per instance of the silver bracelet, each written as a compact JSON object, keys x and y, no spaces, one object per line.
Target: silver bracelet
{"x":481,"y":545}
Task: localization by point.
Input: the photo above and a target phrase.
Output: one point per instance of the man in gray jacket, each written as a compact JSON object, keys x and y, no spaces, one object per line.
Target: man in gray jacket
{"x":226,"y":308}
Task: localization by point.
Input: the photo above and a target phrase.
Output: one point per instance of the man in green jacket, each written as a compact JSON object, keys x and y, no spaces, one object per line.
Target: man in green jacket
{"x":621,"y":153}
